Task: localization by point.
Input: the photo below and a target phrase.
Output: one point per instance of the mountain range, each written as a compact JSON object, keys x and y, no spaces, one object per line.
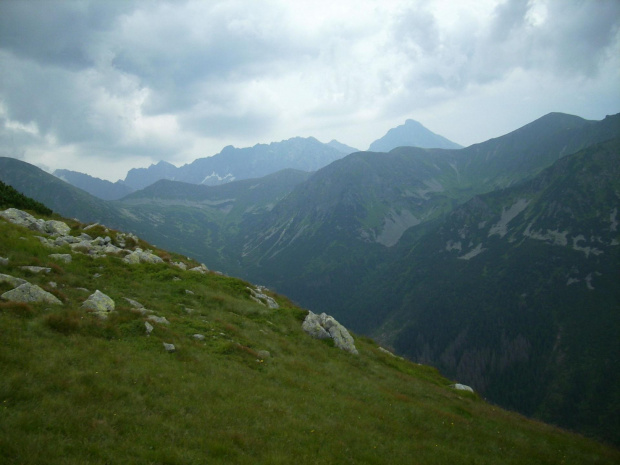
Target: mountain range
{"x":305,"y":154}
{"x":116,"y":351}
{"x":497,"y":263}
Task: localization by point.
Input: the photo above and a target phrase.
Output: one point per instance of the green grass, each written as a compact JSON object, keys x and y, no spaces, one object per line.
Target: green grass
{"x":75,"y":389}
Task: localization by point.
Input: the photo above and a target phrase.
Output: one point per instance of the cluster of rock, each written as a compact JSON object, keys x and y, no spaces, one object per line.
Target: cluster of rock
{"x":258,"y":296}
{"x":324,"y":326}
{"x":99,"y":304}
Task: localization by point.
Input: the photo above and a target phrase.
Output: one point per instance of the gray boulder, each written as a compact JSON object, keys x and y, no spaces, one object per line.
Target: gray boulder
{"x":462,"y":387}
{"x":158,"y":319}
{"x":21,"y":218}
{"x":324,"y":326}
{"x":257,"y":295}
{"x":149,"y":328}
{"x":64,"y":257}
{"x":12,"y":280}
{"x":141,"y":256}
{"x":4,"y":261}
{"x":36,"y":269}
{"x":56,"y":228}
{"x":30,"y":293}
{"x":169,"y":347}
{"x":99,"y":304}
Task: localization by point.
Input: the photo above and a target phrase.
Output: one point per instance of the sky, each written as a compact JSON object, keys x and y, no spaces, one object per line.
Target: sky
{"x":103,"y":86}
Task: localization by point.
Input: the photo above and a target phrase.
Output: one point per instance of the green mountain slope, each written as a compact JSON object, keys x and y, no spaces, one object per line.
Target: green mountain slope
{"x":516,"y":293}
{"x":78,"y":389}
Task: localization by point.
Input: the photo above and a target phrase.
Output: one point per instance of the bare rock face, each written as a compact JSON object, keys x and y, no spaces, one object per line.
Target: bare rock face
{"x":324,"y":326}
{"x":99,"y":304}
{"x":258,"y":296}
{"x":30,"y":293}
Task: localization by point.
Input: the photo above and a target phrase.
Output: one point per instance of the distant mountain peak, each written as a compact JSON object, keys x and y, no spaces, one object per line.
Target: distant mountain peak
{"x":411,"y":134}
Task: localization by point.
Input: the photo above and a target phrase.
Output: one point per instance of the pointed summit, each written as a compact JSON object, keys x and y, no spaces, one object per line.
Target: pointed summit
{"x":411,"y":134}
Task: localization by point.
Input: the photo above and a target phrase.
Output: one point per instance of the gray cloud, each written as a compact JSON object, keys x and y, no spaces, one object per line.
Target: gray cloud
{"x":127,"y":80}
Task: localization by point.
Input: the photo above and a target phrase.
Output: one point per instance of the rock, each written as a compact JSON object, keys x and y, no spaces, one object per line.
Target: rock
{"x":36,"y":269}
{"x":134,"y":303}
{"x":181,"y":265}
{"x":462,"y":387}
{"x":263,"y":354}
{"x":199,"y":337}
{"x":53,"y":284}
{"x":149,"y":328}
{"x":158,"y":319}
{"x":200,"y":269}
{"x":169,"y":347}
{"x":4,"y":261}
{"x":257,"y":295}
{"x":187,"y":291}
{"x":21,"y":218}
{"x":99,"y":303}
{"x":312,"y":326}
{"x":64,"y":257}
{"x":30,"y":293}
{"x":323,"y":326}
{"x":56,"y":228}
{"x":140,"y":256}
{"x":13,"y":281}
{"x":86,"y":228}
{"x":24,"y":219}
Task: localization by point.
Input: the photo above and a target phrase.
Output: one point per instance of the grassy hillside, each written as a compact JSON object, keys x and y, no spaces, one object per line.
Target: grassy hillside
{"x":77,"y":389}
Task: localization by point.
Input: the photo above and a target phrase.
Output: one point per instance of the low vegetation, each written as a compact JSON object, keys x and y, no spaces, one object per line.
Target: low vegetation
{"x":77,"y":389}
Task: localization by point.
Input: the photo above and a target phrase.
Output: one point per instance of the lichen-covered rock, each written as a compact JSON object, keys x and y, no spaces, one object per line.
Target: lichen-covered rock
{"x":324,"y":326}
{"x":12,"y":280}
{"x":56,"y":228}
{"x":99,"y":304}
{"x":169,"y":347}
{"x":21,"y":218}
{"x":158,"y":319}
{"x":141,"y":256}
{"x":64,"y":257}
{"x":30,"y":293}
{"x":133,"y":303}
{"x":200,"y":269}
{"x":257,"y":295}
{"x":36,"y":269}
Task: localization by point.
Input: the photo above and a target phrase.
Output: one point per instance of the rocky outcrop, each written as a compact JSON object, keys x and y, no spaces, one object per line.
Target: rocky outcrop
{"x":99,"y":304}
{"x":22,"y":218}
{"x":324,"y":326}
{"x":257,"y":295}
{"x":141,"y":256}
{"x":27,"y":292}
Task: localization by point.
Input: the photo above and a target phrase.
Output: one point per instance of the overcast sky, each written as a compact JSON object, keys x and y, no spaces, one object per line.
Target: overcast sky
{"x":103,"y":86}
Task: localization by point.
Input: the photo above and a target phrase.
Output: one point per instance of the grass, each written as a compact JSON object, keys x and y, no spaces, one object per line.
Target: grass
{"x":75,"y":389}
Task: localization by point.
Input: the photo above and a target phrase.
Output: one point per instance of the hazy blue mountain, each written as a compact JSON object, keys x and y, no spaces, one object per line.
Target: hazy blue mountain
{"x":411,"y":134}
{"x":139,"y":178}
{"x":101,"y":188}
{"x":346,"y":149}
{"x":305,"y":154}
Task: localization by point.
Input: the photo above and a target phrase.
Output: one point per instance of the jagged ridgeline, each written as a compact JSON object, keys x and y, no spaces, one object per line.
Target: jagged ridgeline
{"x":115,"y":351}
